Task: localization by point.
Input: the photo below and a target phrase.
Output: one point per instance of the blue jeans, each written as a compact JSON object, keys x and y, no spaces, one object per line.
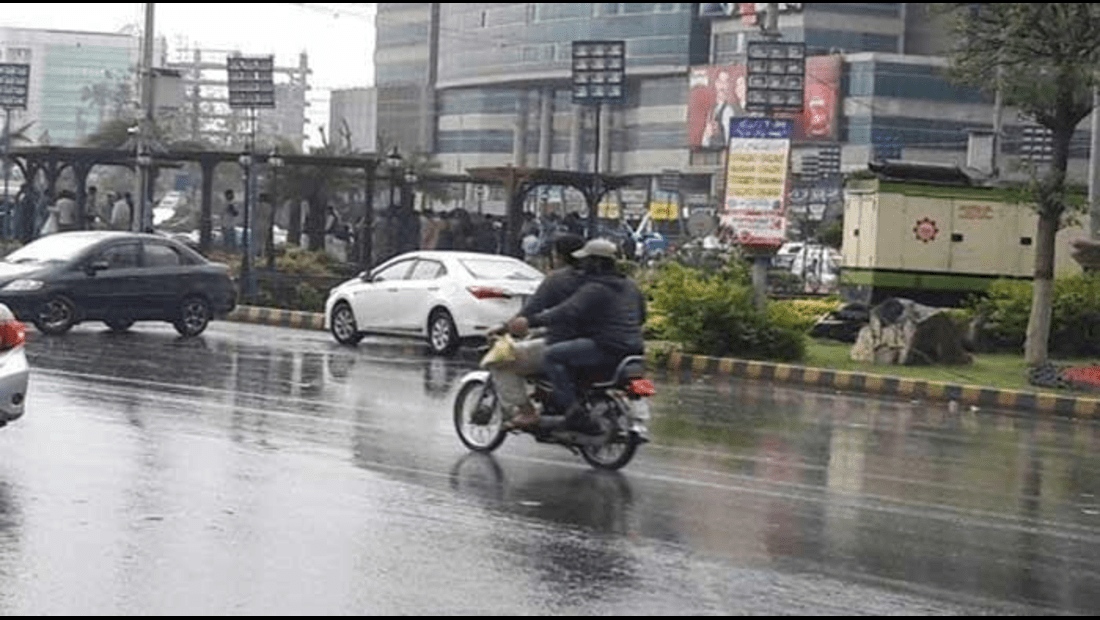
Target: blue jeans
{"x":565,"y":360}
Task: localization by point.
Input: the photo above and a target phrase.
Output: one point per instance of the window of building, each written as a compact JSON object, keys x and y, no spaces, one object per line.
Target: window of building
{"x":476,"y":141}
{"x":824,"y":41}
{"x":880,"y":9}
{"x":549,"y":11}
{"x":662,"y":91}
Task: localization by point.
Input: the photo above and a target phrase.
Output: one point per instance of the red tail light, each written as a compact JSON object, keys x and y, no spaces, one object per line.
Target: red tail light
{"x":487,"y":292}
{"x":12,"y":334}
{"x":642,"y":387}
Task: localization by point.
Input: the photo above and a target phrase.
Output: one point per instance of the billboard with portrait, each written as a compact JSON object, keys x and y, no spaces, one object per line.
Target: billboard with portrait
{"x":717,"y":94}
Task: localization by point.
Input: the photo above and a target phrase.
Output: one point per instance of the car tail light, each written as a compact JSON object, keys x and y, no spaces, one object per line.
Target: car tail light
{"x":488,"y":292}
{"x":642,"y":387}
{"x":12,"y":334}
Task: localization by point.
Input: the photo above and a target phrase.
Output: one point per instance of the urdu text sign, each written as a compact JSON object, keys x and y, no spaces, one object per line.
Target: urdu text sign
{"x":756,"y":180}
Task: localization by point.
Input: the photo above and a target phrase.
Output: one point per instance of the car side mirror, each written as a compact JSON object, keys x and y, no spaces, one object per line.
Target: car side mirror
{"x":96,"y":266}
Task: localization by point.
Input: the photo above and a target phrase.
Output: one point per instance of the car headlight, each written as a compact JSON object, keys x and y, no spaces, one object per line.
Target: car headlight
{"x":23,"y":285}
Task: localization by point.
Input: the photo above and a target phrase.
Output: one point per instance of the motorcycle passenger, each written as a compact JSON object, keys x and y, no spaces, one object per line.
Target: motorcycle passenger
{"x":608,"y":313}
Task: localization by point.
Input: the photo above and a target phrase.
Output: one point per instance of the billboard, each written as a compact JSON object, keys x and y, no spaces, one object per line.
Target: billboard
{"x":717,"y":95}
{"x":754,"y":209}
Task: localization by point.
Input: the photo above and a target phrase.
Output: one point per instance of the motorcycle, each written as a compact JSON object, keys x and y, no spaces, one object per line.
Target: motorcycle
{"x":616,"y":401}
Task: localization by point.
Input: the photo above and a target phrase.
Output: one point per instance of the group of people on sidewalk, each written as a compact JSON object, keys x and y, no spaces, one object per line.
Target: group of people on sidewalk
{"x":115,"y":213}
{"x":593,"y":317}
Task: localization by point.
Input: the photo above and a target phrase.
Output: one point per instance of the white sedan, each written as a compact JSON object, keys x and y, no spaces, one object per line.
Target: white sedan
{"x":445,"y":297}
{"x":14,"y":373}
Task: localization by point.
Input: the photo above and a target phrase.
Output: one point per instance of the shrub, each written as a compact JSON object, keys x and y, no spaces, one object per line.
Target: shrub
{"x":800,"y":314}
{"x":715,"y":315}
{"x":1003,"y":313}
{"x":1075,"y":315}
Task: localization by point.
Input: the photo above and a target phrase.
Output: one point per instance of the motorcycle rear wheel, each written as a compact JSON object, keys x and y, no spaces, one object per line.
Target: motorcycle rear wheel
{"x":472,"y":400}
{"x":613,"y":455}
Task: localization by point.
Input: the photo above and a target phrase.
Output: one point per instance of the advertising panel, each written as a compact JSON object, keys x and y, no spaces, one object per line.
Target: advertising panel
{"x":717,"y":95}
{"x":754,"y":210}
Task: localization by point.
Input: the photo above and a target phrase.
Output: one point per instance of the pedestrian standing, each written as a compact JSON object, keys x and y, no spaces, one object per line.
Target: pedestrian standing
{"x":66,"y":211}
{"x":229,"y":220}
{"x":122,"y":212}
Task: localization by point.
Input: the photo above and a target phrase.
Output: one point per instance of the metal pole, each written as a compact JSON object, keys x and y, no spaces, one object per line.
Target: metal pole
{"x":9,"y":211}
{"x":249,"y":196}
{"x":1094,"y":167}
{"x":593,"y":211}
{"x":271,"y":220}
{"x":145,"y":125}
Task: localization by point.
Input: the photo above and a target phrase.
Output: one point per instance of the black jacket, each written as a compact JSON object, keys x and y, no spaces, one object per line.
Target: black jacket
{"x":555,"y":288}
{"x":608,"y":308}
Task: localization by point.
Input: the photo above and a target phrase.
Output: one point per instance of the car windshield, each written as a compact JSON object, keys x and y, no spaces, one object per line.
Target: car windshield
{"x":50,"y":248}
{"x":497,"y":269}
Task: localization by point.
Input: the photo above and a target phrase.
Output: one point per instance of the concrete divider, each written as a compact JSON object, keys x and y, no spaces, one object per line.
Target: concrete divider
{"x":687,"y":366}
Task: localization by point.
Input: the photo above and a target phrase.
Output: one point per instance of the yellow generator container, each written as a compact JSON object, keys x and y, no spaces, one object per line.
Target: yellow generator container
{"x":938,"y":245}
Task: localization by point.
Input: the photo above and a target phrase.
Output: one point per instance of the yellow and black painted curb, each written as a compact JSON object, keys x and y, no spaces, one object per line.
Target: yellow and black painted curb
{"x":278,"y":317}
{"x":687,"y":366}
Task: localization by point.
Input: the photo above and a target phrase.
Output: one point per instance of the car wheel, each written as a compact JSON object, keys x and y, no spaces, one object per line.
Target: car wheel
{"x":442,"y":333}
{"x":57,"y":316}
{"x":119,"y":325}
{"x":194,"y":316}
{"x":342,"y":324}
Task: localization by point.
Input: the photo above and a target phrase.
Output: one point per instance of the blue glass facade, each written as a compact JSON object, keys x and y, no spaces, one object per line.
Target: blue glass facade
{"x":499,"y":40}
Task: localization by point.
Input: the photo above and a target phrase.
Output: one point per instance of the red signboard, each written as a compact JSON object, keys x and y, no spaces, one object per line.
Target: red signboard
{"x":717,"y":94}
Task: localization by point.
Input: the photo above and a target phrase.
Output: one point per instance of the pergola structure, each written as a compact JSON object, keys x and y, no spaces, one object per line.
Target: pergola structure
{"x":520,"y":181}
{"x":52,"y":161}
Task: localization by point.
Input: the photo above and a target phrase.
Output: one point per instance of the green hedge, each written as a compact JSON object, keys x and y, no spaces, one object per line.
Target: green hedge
{"x":1003,"y":314}
{"x":713,"y":313}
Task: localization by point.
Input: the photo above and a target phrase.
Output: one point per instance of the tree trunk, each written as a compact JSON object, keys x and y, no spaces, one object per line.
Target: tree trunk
{"x":1051,"y":207}
{"x":1042,"y":298}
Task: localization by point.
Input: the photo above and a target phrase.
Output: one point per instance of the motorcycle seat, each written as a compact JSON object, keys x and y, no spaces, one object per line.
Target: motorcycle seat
{"x":630,"y":367}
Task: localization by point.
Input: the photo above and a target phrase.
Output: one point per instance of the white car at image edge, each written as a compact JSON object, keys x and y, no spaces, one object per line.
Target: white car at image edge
{"x":444,"y":297}
{"x":14,"y":372}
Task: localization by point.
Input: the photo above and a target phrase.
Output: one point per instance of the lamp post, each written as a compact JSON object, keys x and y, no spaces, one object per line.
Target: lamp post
{"x":276,"y":162}
{"x":14,"y":82}
{"x":251,"y":86}
{"x":599,"y":77}
{"x":394,"y":161}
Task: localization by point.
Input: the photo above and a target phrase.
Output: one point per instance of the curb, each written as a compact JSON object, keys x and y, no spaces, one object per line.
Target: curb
{"x":687,"y":366}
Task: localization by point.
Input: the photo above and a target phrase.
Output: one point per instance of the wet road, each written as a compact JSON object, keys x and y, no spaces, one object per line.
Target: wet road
{"x":257,"y":470}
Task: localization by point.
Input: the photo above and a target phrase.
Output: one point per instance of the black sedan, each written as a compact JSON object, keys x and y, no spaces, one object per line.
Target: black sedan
{"x":116,"y":277}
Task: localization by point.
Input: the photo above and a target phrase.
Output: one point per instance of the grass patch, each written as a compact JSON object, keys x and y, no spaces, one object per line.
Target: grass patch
{"x":1003,"y":371}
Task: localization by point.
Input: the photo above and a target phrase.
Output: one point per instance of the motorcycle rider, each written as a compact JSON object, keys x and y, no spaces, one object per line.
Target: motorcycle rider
{"x":607,"y":311}
{"x":555,"y":288}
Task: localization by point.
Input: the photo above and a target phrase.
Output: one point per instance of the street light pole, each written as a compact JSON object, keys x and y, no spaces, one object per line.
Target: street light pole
{"x":276,"y":162}
{"x":251,"y":86}
{"x":599,"y":77}
{"x":393,"y":164}
{"x":145,"y":125}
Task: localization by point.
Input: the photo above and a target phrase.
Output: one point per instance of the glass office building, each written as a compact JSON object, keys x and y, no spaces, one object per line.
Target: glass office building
{"x":78,"y":80}
{"x":485,"y":84}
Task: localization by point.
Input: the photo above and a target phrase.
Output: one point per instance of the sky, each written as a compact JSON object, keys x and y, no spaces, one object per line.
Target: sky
{"x":338,"y":37}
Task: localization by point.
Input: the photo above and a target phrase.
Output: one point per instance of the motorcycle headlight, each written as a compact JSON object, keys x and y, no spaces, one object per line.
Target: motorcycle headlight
{"x":23,"y":285}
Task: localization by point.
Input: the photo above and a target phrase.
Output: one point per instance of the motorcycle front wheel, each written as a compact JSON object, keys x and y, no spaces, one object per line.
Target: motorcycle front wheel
{"x":479,"y":417}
